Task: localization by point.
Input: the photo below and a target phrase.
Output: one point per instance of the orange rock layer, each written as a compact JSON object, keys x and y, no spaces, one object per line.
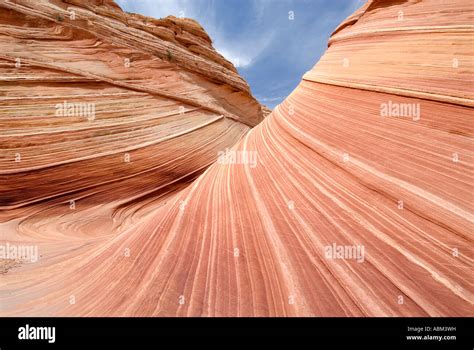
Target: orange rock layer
{"x":372,"y":151}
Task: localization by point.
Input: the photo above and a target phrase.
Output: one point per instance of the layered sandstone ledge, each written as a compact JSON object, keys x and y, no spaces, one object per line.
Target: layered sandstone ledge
{"x":133,"y":88}
{"x":372,"y":151}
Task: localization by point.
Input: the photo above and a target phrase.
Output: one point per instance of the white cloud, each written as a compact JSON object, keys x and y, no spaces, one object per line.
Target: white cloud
{"x":158,"y":8}
{"x":271,"y":99}
{"x":237,"y":59}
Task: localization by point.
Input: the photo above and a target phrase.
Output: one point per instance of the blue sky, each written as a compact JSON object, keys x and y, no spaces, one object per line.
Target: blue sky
{"x":271,"y":51}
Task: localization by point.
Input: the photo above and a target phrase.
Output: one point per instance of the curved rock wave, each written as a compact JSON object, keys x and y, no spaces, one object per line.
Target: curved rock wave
{"x":352,"y":198}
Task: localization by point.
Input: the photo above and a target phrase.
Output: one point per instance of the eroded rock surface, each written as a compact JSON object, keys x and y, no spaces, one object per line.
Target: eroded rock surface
{"x":371,"y":154}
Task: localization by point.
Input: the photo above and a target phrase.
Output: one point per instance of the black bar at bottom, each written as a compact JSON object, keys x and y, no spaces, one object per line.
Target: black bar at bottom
{"x":433,"y":333}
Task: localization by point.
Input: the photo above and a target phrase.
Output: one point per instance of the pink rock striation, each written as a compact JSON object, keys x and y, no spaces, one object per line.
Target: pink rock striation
{"x":354,"y":197}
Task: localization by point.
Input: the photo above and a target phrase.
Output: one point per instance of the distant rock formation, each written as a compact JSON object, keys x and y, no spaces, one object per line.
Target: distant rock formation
{"x":352,"y":198}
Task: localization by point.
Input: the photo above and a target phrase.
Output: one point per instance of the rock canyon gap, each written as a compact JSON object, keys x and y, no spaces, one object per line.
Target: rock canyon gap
{"x":134,"y":157}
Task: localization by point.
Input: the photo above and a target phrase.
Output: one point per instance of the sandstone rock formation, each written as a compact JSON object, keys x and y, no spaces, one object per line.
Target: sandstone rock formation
{"x":161,"y":99}
{"x":372,"y":151}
